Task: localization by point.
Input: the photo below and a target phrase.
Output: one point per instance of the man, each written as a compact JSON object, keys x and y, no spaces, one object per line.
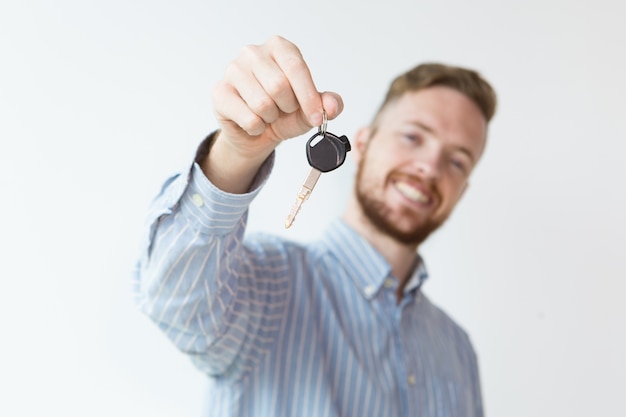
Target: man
{"x":339,"y":327}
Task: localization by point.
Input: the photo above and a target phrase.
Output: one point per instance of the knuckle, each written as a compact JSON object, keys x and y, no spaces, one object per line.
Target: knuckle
{"x":294,"y":63}
{"x":232,"y":68}
{"x":219,"y":90}
{"x":252,"y":124}
{"x":278,"y":86}
{"x":262,"y":104}
{"x":249,"y":52}
{"x":277,"y":40}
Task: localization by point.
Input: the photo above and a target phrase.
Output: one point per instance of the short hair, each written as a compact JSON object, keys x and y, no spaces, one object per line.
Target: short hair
{"x":466,"y":81}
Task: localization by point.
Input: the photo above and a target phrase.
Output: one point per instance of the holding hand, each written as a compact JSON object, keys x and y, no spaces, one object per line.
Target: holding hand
{"x":267,"y":95}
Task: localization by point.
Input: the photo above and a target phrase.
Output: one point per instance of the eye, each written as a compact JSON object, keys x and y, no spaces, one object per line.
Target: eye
{"x":412,"y":137}
{"x":459,"y":165}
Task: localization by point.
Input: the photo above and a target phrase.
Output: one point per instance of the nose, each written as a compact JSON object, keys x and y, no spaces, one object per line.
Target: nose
{"x":428,"y":164}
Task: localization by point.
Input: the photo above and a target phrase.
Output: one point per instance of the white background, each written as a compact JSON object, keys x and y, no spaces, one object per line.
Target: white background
{"x":101,"y":101}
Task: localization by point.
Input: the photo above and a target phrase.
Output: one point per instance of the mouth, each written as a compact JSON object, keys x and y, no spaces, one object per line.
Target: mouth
{"x":413,"y":193}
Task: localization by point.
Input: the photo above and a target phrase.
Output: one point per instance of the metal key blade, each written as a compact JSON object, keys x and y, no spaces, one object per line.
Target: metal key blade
{"x":305,"y":191}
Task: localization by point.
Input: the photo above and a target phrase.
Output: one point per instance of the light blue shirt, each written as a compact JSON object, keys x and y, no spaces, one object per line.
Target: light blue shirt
{"x":286,"y":329}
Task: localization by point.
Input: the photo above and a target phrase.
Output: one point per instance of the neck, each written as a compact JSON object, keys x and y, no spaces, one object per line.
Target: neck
{"x":400,"y":256}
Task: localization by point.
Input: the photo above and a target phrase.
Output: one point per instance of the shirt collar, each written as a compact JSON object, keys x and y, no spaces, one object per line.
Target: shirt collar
{"x":367,"y":267}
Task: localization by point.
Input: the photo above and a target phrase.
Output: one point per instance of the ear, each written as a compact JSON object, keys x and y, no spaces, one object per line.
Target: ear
{"x":360,"y":142}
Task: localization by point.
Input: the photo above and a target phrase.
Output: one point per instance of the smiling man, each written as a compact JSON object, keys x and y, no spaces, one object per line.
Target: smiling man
{"x":338,"y":327}
{"x":415,"y":159}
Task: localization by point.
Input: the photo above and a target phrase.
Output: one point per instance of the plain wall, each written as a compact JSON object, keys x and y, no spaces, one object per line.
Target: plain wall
{"x":101,"y":101}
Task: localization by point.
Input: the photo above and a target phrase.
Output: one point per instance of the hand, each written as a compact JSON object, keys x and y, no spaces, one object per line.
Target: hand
{"x":266,"y":96}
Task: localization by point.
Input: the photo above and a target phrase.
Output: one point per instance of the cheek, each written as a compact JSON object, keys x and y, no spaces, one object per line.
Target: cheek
{"x":452,"y":194}
{"x":381,"y":159}
{"x":371,"y":176}
{"x":377,"y":169}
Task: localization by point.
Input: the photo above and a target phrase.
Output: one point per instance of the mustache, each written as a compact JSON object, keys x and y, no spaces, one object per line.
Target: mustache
{"x":428,"y":185}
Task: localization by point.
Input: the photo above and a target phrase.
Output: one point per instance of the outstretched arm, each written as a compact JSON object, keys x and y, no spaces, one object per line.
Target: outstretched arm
{"x":215,"y":298}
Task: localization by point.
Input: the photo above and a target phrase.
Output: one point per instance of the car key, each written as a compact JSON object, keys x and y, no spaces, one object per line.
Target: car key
{"x":325,"y":152}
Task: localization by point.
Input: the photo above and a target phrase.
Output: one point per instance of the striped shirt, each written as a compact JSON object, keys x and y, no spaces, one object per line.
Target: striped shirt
{"x":286,"y":329}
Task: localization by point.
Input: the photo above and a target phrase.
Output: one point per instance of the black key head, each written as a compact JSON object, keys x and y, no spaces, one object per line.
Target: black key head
{"x":327,"y":152}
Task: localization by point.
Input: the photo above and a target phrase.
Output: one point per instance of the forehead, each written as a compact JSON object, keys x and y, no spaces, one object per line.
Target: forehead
{"x":444,"y":111}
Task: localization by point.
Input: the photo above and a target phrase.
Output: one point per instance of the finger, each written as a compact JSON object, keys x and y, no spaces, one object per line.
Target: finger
{"x":231,"y":108}
{"x":276,"y":85}
{"x":332,"y":103}
{"x":289,"y":59}
{"x":252,"y":92}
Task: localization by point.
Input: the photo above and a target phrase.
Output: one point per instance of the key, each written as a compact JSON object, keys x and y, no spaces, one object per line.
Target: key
{"x":325,"y":152}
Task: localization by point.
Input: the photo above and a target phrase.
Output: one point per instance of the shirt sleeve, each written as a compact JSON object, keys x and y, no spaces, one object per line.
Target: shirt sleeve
{"x":196,"y":280}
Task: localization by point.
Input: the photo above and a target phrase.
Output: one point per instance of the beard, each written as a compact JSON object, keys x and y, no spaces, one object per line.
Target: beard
{"x":383,"y":219}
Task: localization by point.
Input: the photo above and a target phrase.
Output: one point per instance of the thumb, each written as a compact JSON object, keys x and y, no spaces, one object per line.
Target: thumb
{"x":332,"y":104}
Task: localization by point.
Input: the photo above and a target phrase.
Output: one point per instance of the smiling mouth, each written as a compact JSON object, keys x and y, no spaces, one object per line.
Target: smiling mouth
{"x":412,"y":193}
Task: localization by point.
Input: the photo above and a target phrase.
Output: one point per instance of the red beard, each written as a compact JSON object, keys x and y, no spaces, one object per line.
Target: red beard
{"x":379,"y":214}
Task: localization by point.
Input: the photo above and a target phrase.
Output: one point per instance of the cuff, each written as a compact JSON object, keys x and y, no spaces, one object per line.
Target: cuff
{"x":214,"y":211}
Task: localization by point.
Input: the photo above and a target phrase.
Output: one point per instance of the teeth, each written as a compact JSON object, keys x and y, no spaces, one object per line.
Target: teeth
{"x":411,"y":193}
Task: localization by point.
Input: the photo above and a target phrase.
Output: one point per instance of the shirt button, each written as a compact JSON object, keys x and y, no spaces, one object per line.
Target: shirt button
{"x":389,"y":283}
{"x":369,"y":290}
{"x":197,"y":200}
{"x":411,"y":379}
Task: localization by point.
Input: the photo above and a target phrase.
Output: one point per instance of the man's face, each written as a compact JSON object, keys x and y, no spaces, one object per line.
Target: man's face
{"x":414,"y":164}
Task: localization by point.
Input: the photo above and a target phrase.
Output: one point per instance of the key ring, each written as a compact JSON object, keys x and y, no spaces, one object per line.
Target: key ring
{"x":322,"y":129}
